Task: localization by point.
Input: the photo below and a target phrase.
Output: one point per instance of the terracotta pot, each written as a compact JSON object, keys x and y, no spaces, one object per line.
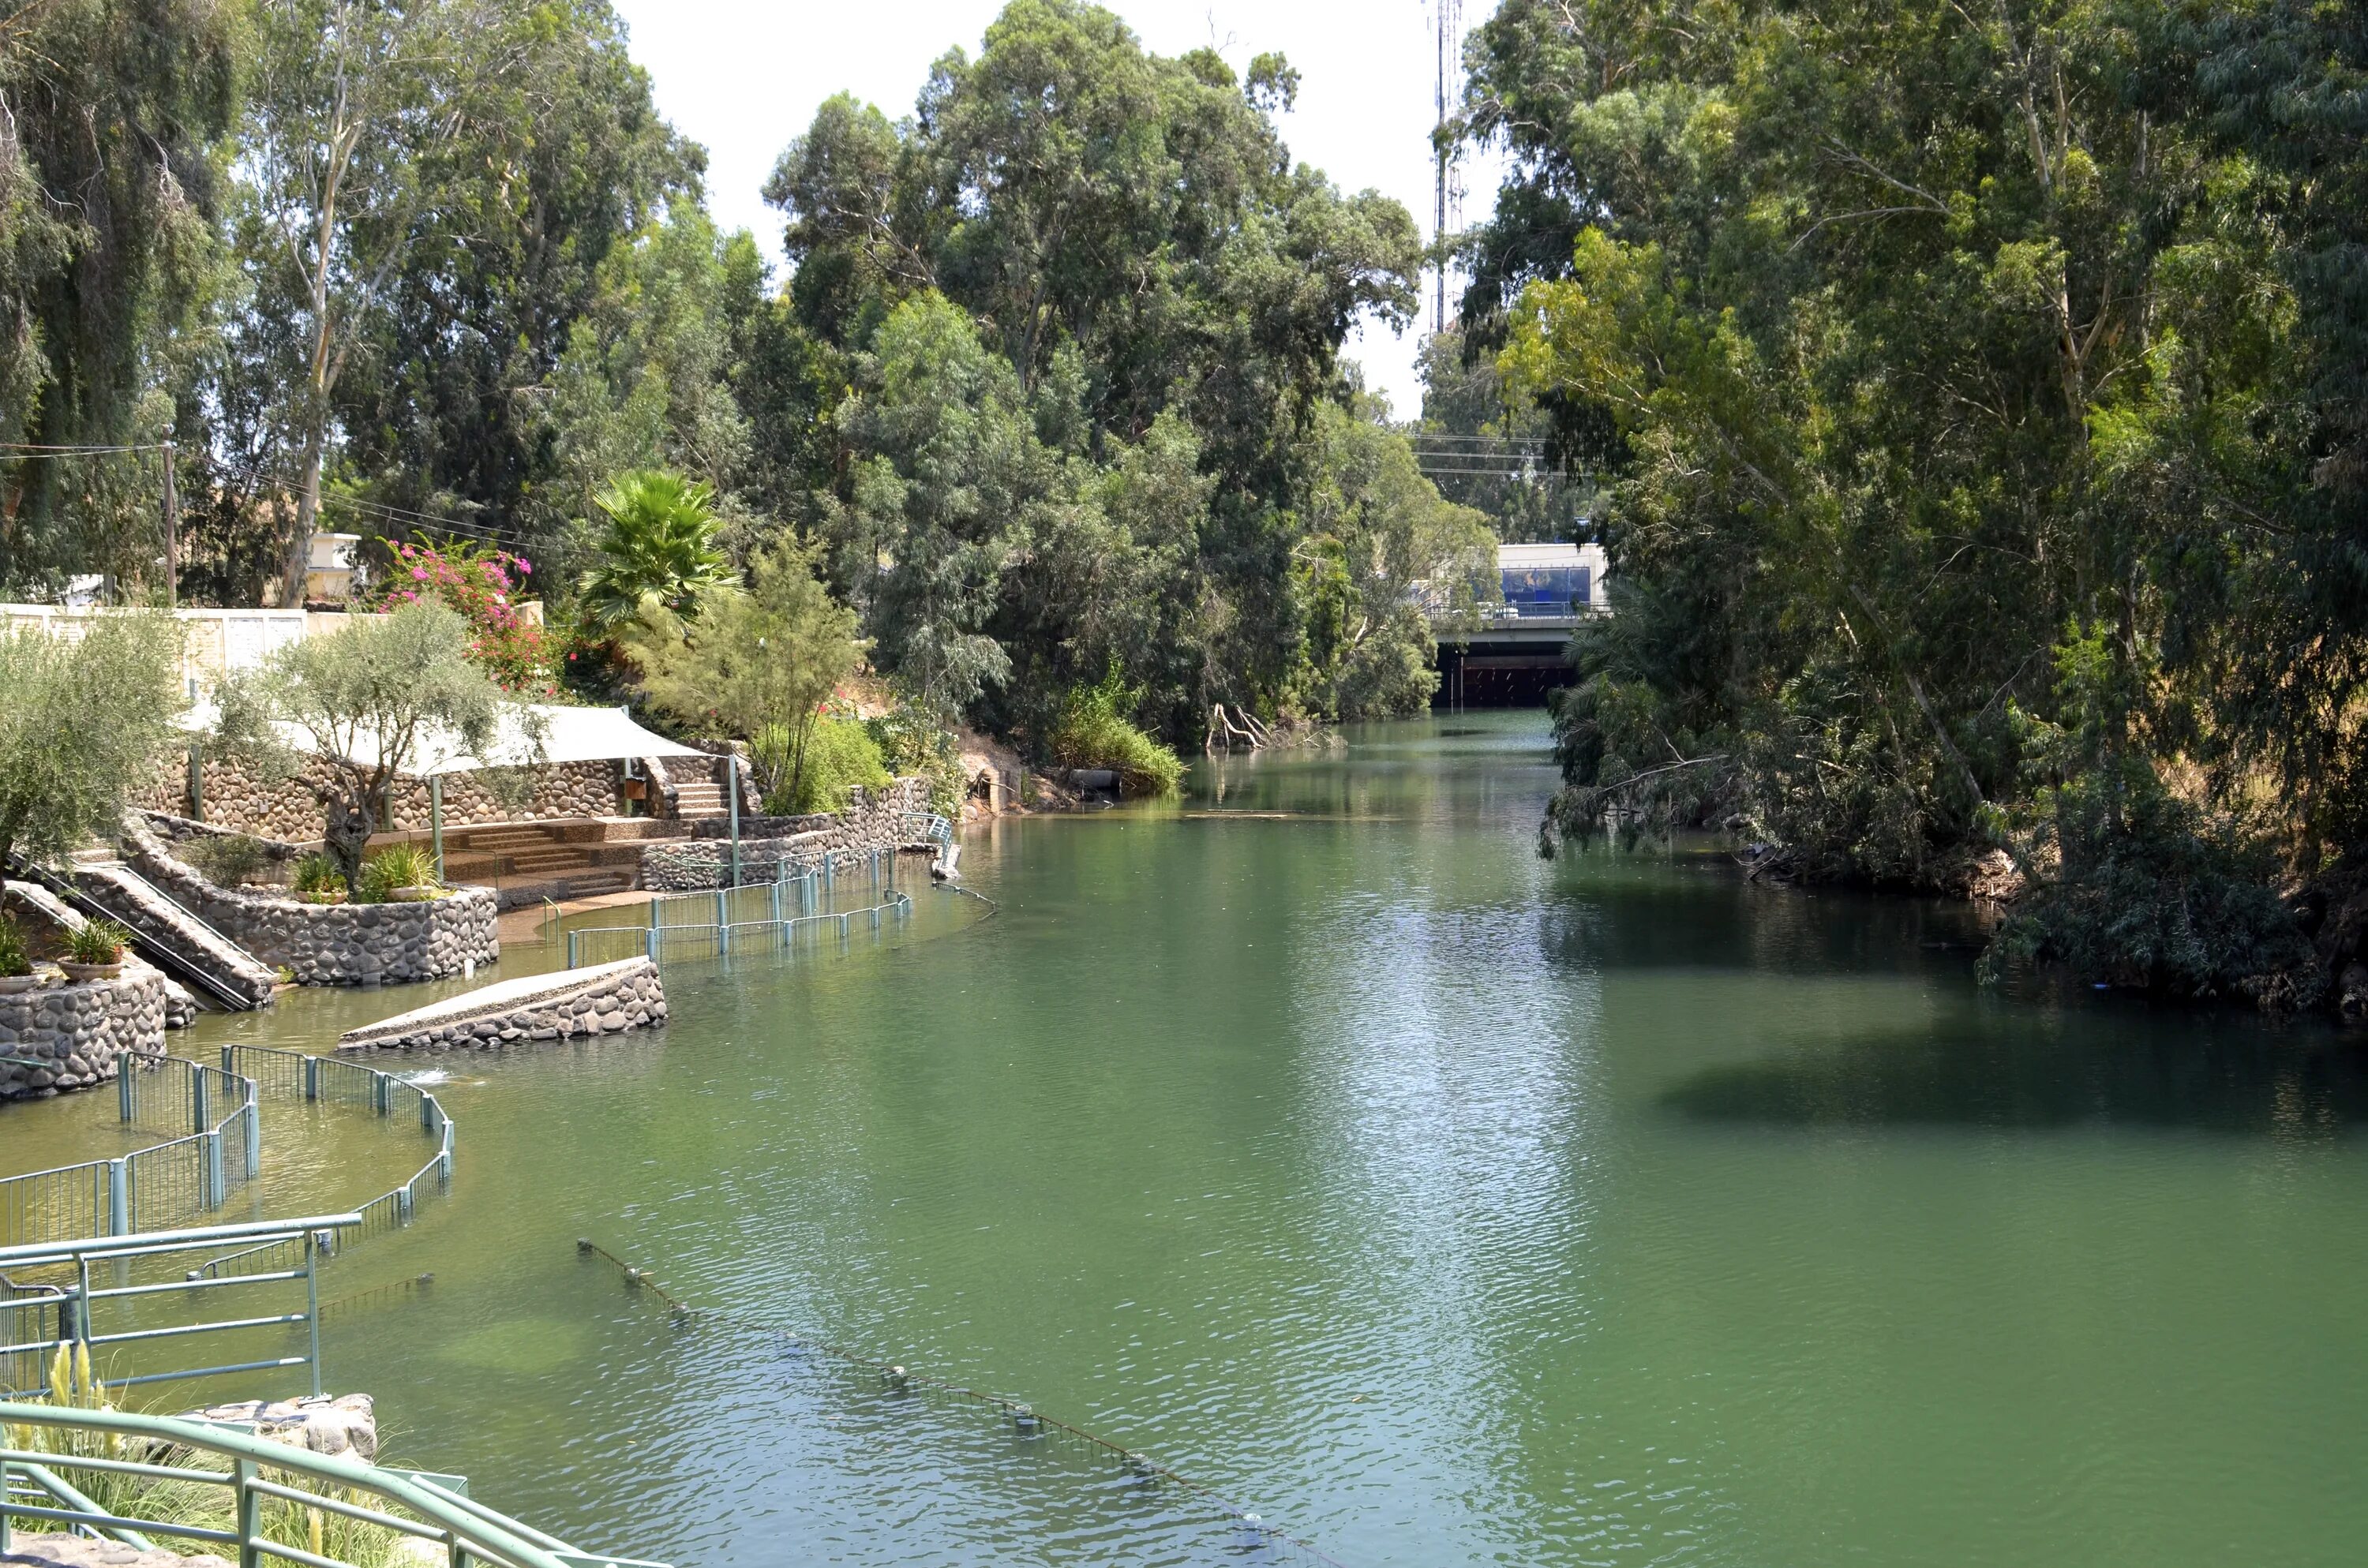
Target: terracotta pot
{"x":16,"y":985}
{"x":412,"y":895}
{"x":79,"y":971}
{"x":335,"y":895}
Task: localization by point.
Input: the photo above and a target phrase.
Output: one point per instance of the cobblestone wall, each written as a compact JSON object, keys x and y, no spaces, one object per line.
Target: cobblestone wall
{"x":232,"y":797}
{"x":626,"y":995}
{"x":330,"y":944}
{"x":874,"y":825}
{"x":78,"y":1033}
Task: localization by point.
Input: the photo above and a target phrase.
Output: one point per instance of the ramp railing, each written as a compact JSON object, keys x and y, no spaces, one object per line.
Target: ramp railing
{"x":273,"y":1494}
{"x":51,"y":1297}
{"x":753,"y":917}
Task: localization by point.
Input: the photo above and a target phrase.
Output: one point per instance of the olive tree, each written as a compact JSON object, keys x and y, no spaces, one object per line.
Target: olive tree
{"x":760,"y":663}
{"x":367,"y":703}
{"x":83,"y":719}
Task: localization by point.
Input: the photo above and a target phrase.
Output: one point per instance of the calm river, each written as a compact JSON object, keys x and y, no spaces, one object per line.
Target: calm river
{"x":1441,"y":1205}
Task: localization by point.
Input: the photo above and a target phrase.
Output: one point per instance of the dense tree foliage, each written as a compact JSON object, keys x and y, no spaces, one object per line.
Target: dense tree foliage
{"x":1052,"y":392}
{"x":1091,"y":310}
{"x":1978,"y":391}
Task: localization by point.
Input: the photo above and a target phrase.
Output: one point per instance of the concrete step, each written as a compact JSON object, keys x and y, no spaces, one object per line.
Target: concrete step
{"x":696,"y":800}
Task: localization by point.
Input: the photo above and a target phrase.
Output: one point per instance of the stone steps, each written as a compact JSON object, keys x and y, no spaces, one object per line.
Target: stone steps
{"x":695,"y":799}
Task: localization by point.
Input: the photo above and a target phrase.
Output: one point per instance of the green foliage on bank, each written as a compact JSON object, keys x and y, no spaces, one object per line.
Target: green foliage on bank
{"x":1976,"y":395}
{"x":839,"y":755}
{"x":1093,"y":731}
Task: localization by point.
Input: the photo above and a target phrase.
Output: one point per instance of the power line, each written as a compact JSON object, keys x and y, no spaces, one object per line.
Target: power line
{"x":35,"y":448}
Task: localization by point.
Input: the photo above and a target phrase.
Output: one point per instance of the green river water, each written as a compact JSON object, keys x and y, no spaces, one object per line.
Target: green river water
{"x":1441,"y":1205}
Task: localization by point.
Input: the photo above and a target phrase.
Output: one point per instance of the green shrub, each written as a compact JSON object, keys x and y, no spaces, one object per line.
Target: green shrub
{"x":1094,"y":732}
{"x":317,"y":872}
{"x":911,"y":745}
{"x":840,"y":754}
{"x":398,"y":865}
{"x":15,"y":959}
{"x":98,"y":941}
{"x":229,"y":859}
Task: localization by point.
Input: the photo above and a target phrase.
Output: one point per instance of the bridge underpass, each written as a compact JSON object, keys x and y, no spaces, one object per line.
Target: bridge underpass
{"x":1511,"y":662}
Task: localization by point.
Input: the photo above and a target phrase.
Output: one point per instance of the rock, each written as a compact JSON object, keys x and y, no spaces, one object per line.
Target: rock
{"x":74,"y":1552}
{"x":2351,"y":995}
{"x":346,"y":1425}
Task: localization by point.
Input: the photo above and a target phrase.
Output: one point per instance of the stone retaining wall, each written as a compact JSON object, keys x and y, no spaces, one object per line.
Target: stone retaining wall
{"x":874,"y":825}
{"x":609,"y":999}
{"x":232,"y":797}
{"x":330,"y":944}
{"x":81,"y":1032}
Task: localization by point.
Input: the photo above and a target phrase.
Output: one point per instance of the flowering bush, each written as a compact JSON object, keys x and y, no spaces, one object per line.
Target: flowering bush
{"x":482,"y":585}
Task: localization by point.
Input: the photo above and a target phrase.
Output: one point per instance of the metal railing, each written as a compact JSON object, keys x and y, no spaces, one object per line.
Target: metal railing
{"x":667,"y":943}
{"x":929,"y":825}
{"x":409,"y":1503}
{"x":148,"y":1188}
{"x":53,"y":1281}
{"x":178,"y":1180}
{"x":329,"y":1079}
{"x":753,"y":917}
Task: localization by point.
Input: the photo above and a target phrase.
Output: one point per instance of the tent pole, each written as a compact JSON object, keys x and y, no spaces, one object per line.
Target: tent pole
{"x":435,"y":819}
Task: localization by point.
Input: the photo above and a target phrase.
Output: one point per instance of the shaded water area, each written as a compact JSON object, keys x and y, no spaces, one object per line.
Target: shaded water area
{"x":1442,"y":1205}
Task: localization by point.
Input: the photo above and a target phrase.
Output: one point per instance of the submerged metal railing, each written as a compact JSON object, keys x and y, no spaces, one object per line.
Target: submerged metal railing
{"x":753,"y":917}
{"x":154,"y":1187}
{"x":52,"y":1298}
{"x":177,"y":1180}
{"x":329,"y":1079}
{"x":415,"y":1504}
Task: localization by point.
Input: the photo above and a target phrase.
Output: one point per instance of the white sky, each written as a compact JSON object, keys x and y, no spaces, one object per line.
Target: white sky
{"x":743,"y":76}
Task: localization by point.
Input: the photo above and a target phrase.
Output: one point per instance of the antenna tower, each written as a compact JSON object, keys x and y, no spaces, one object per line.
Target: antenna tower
{"x":1447,"y":206}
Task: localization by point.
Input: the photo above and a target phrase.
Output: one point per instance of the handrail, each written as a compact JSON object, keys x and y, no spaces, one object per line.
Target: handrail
{"x":475,"y":1529}
{"x":170,"y":1241}
{"x":653,"y":939}
{"x":156,"y":952}
{"x":114,"y":1183}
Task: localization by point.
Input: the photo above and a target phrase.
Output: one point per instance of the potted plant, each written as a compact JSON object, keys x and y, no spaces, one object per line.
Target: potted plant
{"x":16,"y":963}
{"x":95,"y":952}
{"x":318,"y":880}
{"x":404,"y":873}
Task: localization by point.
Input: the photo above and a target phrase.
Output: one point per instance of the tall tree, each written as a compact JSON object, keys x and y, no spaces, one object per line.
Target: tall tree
{"x":357,"y":110}
{"x":112,"y":119}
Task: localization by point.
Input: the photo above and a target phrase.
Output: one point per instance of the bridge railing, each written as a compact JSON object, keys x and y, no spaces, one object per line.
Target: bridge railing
{"x":265,"y":1514}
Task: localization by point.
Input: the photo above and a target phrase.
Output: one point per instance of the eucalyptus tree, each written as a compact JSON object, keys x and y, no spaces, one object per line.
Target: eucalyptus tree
{"x":359,"y":114}
{"x":1132,"y":237}
{"x":1969,"y":487}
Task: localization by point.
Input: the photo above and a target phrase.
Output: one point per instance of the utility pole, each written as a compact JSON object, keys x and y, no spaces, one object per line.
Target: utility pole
{"x":1450,"y":14}
{"x":172,"y":535}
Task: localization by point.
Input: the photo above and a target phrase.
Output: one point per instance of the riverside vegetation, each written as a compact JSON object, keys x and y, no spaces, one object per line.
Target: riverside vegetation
{"x":1053,"y":389}
{"x":1979,"y":400}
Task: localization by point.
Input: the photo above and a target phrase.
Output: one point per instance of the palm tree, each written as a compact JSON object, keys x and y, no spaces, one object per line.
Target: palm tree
{"x":661,"y":540}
